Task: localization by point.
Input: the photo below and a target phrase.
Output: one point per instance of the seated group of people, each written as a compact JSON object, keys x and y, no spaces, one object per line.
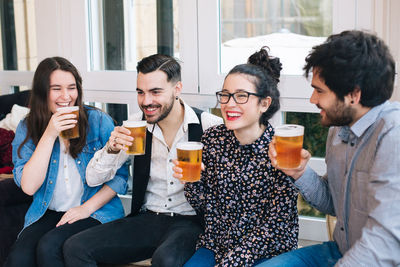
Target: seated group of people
{"x":243,"y":210}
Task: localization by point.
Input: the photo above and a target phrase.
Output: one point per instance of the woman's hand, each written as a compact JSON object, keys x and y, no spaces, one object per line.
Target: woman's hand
{"x":98,"y":200}
{"x":73,"y":215}
{"x":60,"y":121}
{"x":119,"y":139}
{"x":295,"y":173}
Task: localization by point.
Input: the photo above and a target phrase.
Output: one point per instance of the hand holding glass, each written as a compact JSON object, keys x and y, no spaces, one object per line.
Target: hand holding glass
{"x":73,"y":132}
{"x":289,"y":142}
{"x":138,"y":132}
{"x":189,"y":160}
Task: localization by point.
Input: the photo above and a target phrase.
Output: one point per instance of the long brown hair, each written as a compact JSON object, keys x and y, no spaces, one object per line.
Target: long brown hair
{"x":39,"y":116}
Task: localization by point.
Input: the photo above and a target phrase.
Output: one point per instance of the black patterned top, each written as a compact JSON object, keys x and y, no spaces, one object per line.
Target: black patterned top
{"x":249,"y":206}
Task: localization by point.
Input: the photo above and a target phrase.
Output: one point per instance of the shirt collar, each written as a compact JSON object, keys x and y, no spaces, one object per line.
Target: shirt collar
{"x":367,"y":120}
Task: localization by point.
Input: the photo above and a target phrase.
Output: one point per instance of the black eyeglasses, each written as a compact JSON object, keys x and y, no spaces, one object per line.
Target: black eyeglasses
{"x":239,"y":97}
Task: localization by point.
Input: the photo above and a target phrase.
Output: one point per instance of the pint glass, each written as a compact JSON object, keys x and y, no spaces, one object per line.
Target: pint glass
{"x":138,"y":132}
{"x":289,"y":142}
{"x":73,"y":132}
{"x":189,"y":158}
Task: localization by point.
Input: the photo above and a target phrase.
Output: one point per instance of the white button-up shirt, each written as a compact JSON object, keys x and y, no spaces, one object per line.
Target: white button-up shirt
{"x":68,"y":190}
{"x":164,"y":193}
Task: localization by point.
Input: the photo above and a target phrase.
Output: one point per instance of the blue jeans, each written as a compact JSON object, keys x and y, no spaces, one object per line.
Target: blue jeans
{"x":205,"y":258}
{"x":326,"y":254}
{"x":41,"y":243}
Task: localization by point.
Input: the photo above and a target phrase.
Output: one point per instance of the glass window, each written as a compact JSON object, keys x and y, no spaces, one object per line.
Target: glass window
{"x":18,"y":35}
{"x":306,"y":210}
{"x":288,"y":27}
{"x":145,"y":27}
{"x":119,"y":112}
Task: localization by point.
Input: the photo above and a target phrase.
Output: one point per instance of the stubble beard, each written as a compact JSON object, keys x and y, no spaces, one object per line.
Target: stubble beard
{"x":338,"y":115}
{"x":165,"y":110}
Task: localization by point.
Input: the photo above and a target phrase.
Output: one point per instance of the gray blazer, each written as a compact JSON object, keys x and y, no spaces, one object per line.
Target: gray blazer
{"x":362,"y":187}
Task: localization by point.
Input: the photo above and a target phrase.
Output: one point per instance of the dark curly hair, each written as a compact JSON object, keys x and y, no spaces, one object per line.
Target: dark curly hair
{"x":354,"y":60}
{"x":266,"y":72}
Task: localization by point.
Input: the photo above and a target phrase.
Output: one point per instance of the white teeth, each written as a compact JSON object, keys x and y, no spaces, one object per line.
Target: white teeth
{"x":233,"y":114}
{"x":63,"y":104}
{"x":150,"y":109}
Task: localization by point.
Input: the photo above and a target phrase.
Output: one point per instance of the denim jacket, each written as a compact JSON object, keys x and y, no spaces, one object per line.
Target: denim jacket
{"x":100,"y":127}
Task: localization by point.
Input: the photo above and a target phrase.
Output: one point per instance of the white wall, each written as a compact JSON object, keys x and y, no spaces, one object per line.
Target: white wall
{"x":386,"y":23}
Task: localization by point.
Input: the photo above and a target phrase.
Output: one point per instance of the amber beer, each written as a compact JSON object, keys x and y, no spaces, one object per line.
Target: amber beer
{"x":289,"y":142}
{"x":189,"y":158}
{"x":138,"y":132}
{"x":73,"y":132}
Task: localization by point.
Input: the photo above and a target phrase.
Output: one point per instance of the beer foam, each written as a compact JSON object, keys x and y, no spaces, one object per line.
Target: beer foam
{"x":134,"y":124}
{"x":70,"y":109}
{"x":289,"y":130}
{"x":189,"y":146}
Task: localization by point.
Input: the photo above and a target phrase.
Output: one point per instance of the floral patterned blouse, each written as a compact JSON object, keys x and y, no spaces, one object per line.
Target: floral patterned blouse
{"x":249,"y":206}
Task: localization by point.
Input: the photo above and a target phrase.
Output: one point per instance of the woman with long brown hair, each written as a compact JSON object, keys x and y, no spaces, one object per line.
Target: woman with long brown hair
{"x":52,"y":168}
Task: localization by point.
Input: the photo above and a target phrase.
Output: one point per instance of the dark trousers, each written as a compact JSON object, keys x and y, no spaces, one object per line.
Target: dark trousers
{"x":13,"y":206}
{"x":41,"y":244}
{"x":169,"y":241}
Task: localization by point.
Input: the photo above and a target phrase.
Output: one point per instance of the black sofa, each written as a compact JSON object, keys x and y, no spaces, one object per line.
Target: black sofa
{"x":13,"y":202}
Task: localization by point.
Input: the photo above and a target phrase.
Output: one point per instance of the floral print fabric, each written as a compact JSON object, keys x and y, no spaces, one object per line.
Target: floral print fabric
{"x":249,"y":207}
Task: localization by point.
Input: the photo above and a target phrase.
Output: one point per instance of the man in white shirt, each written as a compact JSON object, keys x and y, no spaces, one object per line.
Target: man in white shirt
{"x":162,"y":225}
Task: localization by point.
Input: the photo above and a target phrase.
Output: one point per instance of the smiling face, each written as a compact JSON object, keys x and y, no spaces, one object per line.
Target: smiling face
{"x":156,"y":96}
{"x":63,"y":91}
{"x":334,"y":112}
{"x":242,"y":117}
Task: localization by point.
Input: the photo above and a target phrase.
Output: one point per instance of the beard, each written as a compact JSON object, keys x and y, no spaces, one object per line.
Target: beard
{"x":165,"y":110}
{"x":337,"y":115}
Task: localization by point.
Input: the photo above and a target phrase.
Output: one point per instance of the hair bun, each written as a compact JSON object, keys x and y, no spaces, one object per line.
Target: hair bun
{"x":271,"y":64}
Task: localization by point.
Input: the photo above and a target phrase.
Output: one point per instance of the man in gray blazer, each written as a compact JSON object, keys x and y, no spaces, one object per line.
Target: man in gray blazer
{"x":353,"y":78}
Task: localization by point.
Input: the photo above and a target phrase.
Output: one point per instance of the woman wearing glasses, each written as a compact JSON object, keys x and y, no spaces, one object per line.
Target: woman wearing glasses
{"x":249,"y":207}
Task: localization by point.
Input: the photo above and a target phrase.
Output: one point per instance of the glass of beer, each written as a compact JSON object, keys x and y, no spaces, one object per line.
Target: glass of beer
{"x":138,"y":132}
{"x":73,"y":132}
{"x":289,"y":142}
{"x":189,"y":159}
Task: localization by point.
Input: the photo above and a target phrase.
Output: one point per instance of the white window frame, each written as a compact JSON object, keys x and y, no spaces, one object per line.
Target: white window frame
{"x":62,"y":29}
